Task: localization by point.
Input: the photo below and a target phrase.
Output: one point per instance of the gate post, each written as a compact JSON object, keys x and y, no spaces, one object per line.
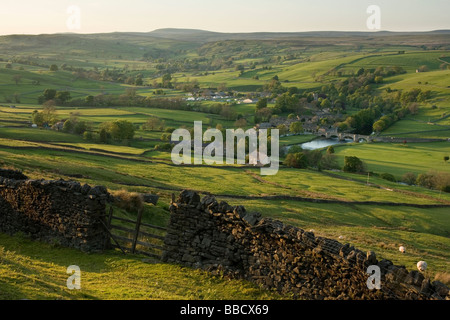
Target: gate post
{"x":136,"y":231}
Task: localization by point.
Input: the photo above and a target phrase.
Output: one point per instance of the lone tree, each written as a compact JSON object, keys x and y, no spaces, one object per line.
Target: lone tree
{"x":446,"y":158}
{"x":47,"y":116}
{"x":103,"y":135}
{"x":37,"y":118}
{"x":17,"y":78}
{"x":263,"y":114}
{"x":325,"y":104}
{"x":166,"y":80}
{"x":283,"y":129}
{"x":49,"y":112}
{"x":62,"y":96}
{"x":296,"y":127}
{"x":48,"y":94}
{"x":151,"y":124}
{"x":139,"y":81}
{"x":329,"y":162}
{"x":427,"y":180}
{"x":409,"y":178}
{"x":379,"y":126}
{"x":240,"y":123}
{"x":261,"y":104}
{"x":353,"y":164}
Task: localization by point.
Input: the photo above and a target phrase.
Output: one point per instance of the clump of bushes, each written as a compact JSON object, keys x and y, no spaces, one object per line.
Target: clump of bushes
{"x":296,"y":160}
{"x":129,"y":201}
{"x":430,"y":180}
{"x":427,"y":180}
{"x":166,"y":136}
{"x":388,"y":177}
{"x":163,"y":147}
{"x":409,"y":178}
{"x":353,"y":164}
{"x":329,"y":162}
{"x":434,"y":180}
{"x":301,"y":159}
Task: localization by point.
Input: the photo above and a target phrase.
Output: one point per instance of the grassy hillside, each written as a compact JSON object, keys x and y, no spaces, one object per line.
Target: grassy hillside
{"x":37,"y":271}
{"x":398,"y":159}
{"x":240,"y":65}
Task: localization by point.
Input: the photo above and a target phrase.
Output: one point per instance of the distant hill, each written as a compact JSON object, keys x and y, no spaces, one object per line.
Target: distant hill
{"x":89,"y":50}
{"x":203,"y":36}
{"x":188,"y":35}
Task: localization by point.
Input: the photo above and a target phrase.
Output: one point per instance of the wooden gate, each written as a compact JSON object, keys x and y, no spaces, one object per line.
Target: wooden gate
{"x":134,"y":239}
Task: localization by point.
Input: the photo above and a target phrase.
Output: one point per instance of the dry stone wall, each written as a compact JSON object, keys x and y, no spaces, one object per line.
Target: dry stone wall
{"x":214,"y":236}
{"x":62,"y":212}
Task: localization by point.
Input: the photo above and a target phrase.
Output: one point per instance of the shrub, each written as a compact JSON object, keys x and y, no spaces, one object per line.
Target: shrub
{"x":296,"y":160}
{"x":313,"y":158}
{"x":80,"y":127}
{"x":427,"y":180}
{"x":169,"y":130}
{"x":388,"y":177}
{"x":163,"y":147}
{"x":296,"y":127}
{"x":103,"y":136}
{"x":166,"y":136}
{"x":87,"y":135}
{"x":409,"y":178}
{"x":353,"y":164}
{"x":330,"y":150}
{"x":434,"y":180}
{"x":295,"y":149}
{"x":119,"y":129}
{"x":282,"y":129}
{"x":68,"y":126}
{"x":442,"y":180}
{"x":446,"y":188}
{"x":129,"y":201}
{"x":329,"y":162}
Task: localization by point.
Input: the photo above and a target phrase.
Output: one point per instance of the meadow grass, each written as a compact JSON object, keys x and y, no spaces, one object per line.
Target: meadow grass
{"x":144,"y":171}
{"x":41,"y":135}
{"x":37,"y":271}
{"x":296,"y":139}
{"x":397,"y":158}
{"x":410,"y":60}
{"x":410,"y":126}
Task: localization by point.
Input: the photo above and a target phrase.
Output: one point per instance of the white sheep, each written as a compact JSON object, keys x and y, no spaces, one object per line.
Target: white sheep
{"x":422,"y":266}
{"x":402,"y":249}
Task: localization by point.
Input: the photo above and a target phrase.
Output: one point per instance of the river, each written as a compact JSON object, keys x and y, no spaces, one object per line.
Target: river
{"x":321,"y":143}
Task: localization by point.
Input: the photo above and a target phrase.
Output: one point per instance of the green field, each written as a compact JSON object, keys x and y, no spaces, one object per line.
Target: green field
{"x":398,"y":159}
{"x":362,"y":209}
{"x":36,"y":271}
{"x":295,"y":139}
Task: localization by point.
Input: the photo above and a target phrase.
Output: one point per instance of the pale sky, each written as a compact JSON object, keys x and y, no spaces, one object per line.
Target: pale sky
{"x":46,"y":16}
